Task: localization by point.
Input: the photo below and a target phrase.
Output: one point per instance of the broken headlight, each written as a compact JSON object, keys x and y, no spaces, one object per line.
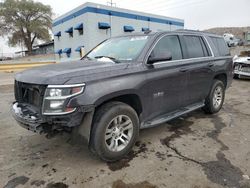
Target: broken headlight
{"x":56,"y":97}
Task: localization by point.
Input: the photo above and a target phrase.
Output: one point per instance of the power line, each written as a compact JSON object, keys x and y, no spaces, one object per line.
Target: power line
{"x":176,"y":7}
{"x":144,"y":3}
{"x":172,"y":6}
{"x":160,"y":3}
{"x":162,"y":6}
{"x":111,"y":3}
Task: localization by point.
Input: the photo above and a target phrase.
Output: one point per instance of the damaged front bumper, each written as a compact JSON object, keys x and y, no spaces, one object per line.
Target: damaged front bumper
{"x":242,"y":68}
{"x":30,"y":118}
{"x":242,"y":73}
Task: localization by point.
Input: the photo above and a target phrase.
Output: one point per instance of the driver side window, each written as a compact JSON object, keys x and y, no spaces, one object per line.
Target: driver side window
{"x":169,"y":44}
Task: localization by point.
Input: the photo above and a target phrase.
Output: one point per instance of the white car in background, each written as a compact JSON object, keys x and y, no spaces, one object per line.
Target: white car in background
{"x":242,"y":65}
{"x":230,"y":39}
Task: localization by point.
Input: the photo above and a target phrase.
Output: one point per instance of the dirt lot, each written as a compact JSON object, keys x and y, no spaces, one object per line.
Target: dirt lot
{"x":195,"y":151}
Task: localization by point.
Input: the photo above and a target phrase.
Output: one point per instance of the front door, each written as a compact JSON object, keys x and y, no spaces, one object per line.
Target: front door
{"x":167,"y":80}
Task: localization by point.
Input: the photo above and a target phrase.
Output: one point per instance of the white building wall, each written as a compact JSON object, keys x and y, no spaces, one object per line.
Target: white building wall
{"x":65,"y":41}
{"x":93,"y":35}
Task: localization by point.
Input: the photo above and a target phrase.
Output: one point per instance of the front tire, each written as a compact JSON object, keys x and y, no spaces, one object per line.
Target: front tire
{"x":115,"y":130}
{"x":215,"y":99}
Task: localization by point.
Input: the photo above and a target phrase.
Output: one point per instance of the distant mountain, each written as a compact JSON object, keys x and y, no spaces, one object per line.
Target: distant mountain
{"x":236,"y":31}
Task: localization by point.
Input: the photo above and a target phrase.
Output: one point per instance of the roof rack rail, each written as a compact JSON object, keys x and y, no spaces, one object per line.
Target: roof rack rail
{"x":190,"y":30}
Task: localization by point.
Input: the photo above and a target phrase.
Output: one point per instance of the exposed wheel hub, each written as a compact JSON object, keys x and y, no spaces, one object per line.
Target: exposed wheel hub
{"x":116,"y":133}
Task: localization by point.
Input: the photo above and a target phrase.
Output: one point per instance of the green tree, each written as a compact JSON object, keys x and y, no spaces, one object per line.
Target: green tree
{"x":25,"y":21}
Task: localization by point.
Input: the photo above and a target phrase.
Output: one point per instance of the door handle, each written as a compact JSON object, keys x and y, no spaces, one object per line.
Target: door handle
{"x":183,"y":70}
{"x":210,"y":64}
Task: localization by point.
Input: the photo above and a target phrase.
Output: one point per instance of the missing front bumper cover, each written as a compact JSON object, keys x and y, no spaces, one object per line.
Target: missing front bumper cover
{"x":28,"y":117}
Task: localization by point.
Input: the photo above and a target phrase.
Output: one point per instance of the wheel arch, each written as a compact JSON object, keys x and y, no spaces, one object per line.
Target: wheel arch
{"x":129,"y":98}
{"x":222,"y":77}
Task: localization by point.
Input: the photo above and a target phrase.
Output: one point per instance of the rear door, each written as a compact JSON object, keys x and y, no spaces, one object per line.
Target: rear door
{"x":200,"y":67}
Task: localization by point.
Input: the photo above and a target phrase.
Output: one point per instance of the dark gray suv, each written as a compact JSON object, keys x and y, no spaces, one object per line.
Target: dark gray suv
{"x":125,"y":84}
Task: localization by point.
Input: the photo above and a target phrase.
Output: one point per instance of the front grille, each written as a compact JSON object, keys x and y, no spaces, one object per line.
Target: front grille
{"x":29,"y":93}
{"x":243,"y":67}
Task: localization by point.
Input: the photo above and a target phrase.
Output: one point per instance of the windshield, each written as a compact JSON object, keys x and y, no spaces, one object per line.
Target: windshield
{"x":119,"y":49}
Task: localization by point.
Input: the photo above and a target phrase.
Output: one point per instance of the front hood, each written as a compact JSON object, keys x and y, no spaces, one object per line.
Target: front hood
{"x":62,"y":73}
{"x":242,"y":60}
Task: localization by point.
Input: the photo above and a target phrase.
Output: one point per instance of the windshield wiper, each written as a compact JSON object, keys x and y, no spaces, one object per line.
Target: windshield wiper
{"x":87,"y":57}
{"x":112,"y":58}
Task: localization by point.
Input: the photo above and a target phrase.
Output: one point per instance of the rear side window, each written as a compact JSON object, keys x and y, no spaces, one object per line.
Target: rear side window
{"x":195,"y":46}
{"x":169,"y":44}
{"x":221,"y":46}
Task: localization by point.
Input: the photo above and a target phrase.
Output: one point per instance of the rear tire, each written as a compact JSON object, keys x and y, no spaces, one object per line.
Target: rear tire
{"x":115,"y":130}
{"x":215,"y":99}
{"x":236,"y":76}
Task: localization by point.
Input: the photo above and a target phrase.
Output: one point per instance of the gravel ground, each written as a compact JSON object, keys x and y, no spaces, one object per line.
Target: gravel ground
{"x":194,"y":151}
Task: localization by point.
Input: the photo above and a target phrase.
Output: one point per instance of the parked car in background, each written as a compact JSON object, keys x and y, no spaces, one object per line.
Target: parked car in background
{"x":242,"y":65}
{"x":230,"y":40}
{"x":240,"y":42}
{"x":125,"y":84}
{"x":5,"y":58}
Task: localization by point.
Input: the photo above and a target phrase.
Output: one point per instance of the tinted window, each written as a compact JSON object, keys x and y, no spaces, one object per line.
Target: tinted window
{"x":195,"y":47}
{"x":204,"y":47}
{"x":220,"y":45}
{"x":169,"y":44}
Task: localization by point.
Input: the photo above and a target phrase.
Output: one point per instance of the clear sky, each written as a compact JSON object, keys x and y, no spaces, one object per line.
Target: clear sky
{"x":197,"y":14}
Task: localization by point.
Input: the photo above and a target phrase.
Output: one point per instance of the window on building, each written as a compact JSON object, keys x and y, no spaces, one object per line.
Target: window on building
{"x":169,"y":44}
{"x":67,"y":51}
{"x":79,"y":28}
{"x":80,"y":50}
{"x":70,"y":31}
{"x":59,"y":52}
{"x":143,"y":29}
{"x":103,"y":25}
{"x":128,"y":28}
{"x":58,"y":34}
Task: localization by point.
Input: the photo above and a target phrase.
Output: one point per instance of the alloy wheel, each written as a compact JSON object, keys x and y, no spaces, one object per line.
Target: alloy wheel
{"x":118,"y":133}
{"x":217,"y":98}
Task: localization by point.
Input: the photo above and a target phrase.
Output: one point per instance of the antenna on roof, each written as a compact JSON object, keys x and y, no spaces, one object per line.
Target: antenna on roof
{"x":111,"y":3}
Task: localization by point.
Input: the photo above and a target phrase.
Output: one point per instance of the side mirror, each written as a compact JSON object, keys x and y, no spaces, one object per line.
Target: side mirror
{"x":156,"y":57}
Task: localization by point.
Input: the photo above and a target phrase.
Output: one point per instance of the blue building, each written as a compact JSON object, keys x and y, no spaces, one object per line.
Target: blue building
{"x":79,"y":30}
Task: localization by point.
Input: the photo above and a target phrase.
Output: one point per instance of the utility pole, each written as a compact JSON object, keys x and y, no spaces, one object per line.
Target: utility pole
{"x":111,"y":3}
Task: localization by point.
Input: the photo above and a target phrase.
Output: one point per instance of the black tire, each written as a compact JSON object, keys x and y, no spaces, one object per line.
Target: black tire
{"x":236,"y":76}
{"x":209,"y":107}
{"x":102,"y":119}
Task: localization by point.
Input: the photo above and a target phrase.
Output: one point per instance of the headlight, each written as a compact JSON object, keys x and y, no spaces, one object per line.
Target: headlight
{"x":55,"y":92}
{"x":56,"y":98}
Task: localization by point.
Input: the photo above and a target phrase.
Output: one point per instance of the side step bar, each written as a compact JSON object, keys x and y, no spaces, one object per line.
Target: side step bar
{"x":169,"y":116}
